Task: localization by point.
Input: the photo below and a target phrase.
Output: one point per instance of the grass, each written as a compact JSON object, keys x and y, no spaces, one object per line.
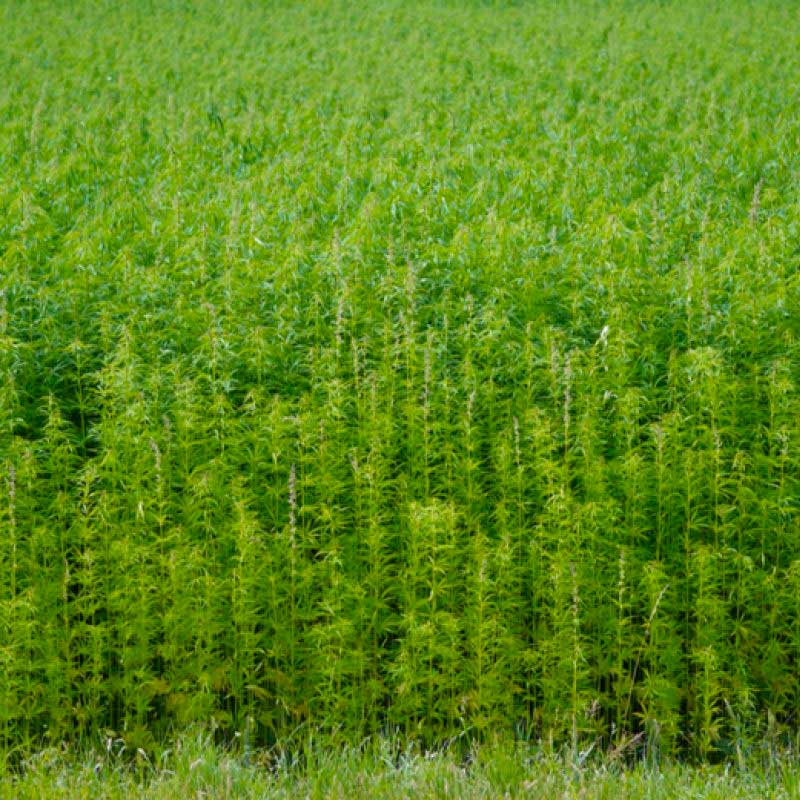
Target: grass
{"x":419,"y":369}
{"x":196,"y":769}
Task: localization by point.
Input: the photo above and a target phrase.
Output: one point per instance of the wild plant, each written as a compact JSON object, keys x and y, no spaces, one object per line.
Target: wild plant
{"x":345,"y":392}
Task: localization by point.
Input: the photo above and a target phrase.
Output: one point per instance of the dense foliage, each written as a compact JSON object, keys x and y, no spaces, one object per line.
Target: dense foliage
{"x":416,"y":367}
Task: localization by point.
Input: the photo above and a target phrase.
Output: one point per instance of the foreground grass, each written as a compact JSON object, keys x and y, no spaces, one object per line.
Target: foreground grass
{"x":196,"y":770}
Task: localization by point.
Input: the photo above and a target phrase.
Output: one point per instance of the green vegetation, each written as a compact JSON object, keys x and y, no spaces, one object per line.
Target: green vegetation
{"x":426,"y":370}
{"x":382,"y":771}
